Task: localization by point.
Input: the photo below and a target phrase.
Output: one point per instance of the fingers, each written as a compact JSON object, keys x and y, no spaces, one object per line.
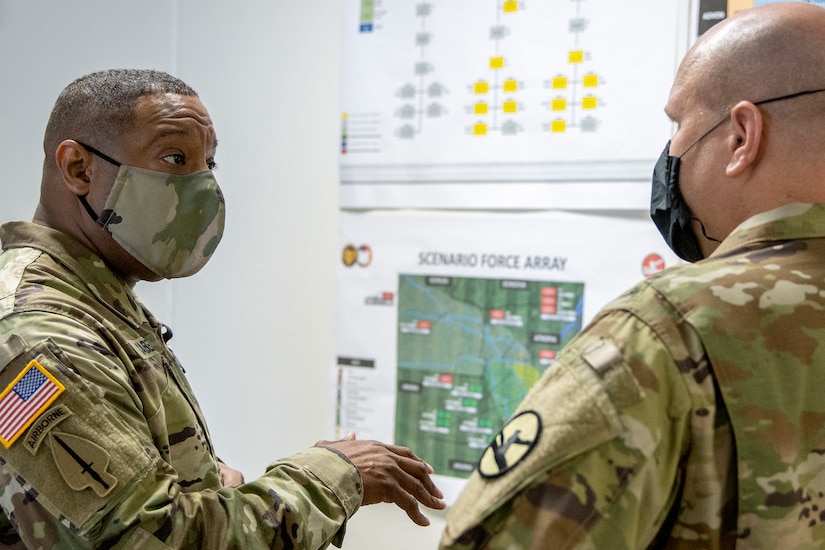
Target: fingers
{"x":410,"y":506}
{"x":404,"y":479}
{"x":425,"y":489}
{"x":419,"y":483}
{"x":418,"y":487}
{"x":229,"y":476}
{"x":392,"y":473}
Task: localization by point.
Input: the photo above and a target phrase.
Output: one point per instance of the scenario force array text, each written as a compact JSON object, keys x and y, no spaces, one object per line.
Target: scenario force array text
{"x":492,"y":261}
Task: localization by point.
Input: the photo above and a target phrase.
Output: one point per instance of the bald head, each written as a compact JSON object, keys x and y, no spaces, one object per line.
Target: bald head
{"x":759,"y":53}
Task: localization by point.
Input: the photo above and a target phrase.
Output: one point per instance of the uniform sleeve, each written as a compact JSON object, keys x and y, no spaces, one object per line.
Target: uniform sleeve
{"x":81,"y":468}
{"x":601,"y":468}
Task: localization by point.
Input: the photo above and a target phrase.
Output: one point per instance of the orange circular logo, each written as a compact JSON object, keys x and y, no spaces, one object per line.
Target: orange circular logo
{"x":652,"y":264}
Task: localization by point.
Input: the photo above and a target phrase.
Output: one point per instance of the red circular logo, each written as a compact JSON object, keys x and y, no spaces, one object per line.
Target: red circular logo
{"x":652,"y":264}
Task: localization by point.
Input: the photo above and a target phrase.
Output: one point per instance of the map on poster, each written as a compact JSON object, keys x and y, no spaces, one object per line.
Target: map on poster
{"x":468,"y":351}
{"x":445,"y":319}
{"x":469,"y":93}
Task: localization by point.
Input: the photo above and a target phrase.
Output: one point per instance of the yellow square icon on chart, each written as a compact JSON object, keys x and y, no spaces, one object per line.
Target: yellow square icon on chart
{"x":576,"y":56}
{"x":590,"y":81}
{"x":510,"y":107}
{"x":496,"y":62}
{"x":560,"y":83}
{"x":510,"y":86}
{"x":510,"y":6}
{"x":479,"y":129}
{"x":480,"y":109}
{"x":481,"y":88}
{"x":589,"y":102}
{"x":558,"y":126}
{"x":558,"y":105}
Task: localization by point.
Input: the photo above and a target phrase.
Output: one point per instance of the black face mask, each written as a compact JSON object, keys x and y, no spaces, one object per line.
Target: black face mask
{"x":669,"y":211}
{"x":668,"y":208}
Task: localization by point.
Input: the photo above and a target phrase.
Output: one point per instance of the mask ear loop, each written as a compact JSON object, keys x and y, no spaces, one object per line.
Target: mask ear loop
{"x":704,"y":232}
{"x":94,"y":151}
{"x":92,"y":214}
{"x":99,"y":220}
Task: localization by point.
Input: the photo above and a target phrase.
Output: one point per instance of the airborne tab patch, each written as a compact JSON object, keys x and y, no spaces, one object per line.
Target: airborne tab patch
{"x":24,"y":399}
{"x":44,"y":423}
{"x":511,"y":445}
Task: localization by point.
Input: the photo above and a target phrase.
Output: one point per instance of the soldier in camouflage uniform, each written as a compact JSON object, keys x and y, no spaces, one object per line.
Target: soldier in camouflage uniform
{"x":103,"y":442}
{"x":690,"y":412}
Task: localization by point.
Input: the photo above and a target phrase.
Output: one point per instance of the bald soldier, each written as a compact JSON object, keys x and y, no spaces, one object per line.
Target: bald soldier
{"x":690,"y":413}
{"x":103,"y":442}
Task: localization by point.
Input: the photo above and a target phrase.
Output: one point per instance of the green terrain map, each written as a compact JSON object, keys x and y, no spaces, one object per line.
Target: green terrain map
{"x":468,"y":351}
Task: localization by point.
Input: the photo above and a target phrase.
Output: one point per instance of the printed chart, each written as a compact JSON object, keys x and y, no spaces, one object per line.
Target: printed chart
{"x":445,"y":319}
{"x":470,"y":93}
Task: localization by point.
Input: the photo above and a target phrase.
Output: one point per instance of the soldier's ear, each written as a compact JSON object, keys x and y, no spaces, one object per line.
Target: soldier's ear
{"x":75,"y":164}
{"x":745,"y":138}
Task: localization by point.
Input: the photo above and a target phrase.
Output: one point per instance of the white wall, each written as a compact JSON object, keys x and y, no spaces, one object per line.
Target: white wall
{"x":255,"y":328}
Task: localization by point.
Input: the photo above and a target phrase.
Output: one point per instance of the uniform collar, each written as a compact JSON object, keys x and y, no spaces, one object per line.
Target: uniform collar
{"x":787,"y":222}
{"x":103,"y":283}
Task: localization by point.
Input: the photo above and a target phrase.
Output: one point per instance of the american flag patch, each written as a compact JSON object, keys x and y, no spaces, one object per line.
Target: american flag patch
{"x":24,"y":399}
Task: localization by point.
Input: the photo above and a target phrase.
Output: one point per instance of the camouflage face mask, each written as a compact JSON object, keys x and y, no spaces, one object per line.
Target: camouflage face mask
{"x":170,"y":223}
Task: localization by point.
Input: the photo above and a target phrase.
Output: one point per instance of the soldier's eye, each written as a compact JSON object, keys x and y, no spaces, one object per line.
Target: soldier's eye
{"x":177,"y":158}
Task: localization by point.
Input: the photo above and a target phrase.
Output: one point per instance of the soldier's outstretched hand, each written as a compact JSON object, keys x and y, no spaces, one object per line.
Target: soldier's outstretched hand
{"x":391,"y":473}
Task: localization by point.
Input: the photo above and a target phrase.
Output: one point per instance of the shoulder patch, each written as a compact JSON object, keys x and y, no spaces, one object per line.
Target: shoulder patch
{"x":511,"y":445}
{"x":78,"y":458}
{"x":82,"y":463}
{"x":28,"y":395}
{"x":577,"y":412}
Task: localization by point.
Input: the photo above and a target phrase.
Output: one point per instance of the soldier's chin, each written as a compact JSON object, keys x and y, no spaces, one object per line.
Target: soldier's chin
{"x":141,"y":271}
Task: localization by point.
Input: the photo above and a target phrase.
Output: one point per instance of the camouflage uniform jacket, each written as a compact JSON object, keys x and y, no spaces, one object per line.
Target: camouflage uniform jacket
{"x":688,"y":414}
{"x":103,"y":443}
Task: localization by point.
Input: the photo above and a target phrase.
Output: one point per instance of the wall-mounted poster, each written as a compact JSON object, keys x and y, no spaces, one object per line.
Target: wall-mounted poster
{"x":483,"y":103}
{"x":445,"y":320}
